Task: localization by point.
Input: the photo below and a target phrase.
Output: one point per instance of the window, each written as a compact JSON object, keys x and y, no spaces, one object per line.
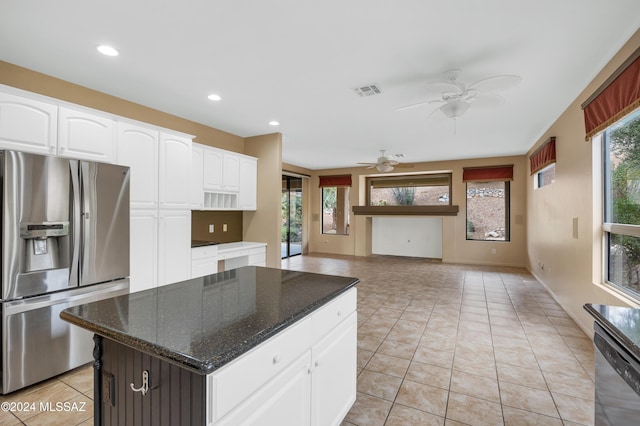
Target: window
{"x":335,"y":204}
{"x":413,"y":190}
{"x":488,"y":211}
{"x":488,"y":202}
{"x":621,"y":147}
{"x":546,"y":176}
{"x":335,"y":210}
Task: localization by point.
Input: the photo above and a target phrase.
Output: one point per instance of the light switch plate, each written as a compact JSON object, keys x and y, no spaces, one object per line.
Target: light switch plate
{"x":211,"y":229}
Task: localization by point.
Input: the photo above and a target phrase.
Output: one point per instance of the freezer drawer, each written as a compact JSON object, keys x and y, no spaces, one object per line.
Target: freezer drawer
{"x":37,"y":344}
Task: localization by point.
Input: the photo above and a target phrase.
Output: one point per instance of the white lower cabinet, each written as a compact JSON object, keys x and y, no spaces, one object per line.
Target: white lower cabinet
{"x":305,"y":375}
{"x":333,"y":382}
{"x":285,"y":400}
{"x":204,"y":261}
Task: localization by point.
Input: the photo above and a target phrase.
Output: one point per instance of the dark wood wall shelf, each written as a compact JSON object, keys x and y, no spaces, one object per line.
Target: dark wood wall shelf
{"x":406,"y":210}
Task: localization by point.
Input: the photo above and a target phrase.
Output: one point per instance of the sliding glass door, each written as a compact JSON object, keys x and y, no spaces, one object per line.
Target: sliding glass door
{"x":291,"y":216}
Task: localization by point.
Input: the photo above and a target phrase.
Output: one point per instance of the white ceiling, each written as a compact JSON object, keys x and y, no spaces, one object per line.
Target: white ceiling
{"x":297,"y":61}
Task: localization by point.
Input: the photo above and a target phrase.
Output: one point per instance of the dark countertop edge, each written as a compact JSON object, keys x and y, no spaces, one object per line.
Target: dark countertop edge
{"x":613,"y":330}
{"x":195,"y":365}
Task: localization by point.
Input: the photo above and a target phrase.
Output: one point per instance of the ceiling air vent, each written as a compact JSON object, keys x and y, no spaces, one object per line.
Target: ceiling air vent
{"x":369,"y":90}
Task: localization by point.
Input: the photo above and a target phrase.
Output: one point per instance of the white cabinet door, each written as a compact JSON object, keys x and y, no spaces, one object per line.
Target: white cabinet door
{"x":174,"y":246}
{"x":196,"y":190}
{"x":284,"y":401}
{"x":248,"y":183}
{"x":212,"y":169}
{"x":138,"y":149}
{"x":85,"y":136}
{"x":230,"y":172}
{"x":27,"y":125}
{"x":175,"y":161}
{"x":334,"y":374}
{"x":143,"y":250}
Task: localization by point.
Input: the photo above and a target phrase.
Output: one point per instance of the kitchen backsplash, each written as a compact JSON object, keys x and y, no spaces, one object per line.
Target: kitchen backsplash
{"x":200,"y":221}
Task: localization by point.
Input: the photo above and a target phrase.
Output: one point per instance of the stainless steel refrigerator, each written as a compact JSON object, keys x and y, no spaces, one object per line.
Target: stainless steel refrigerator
{"x":65,"y":242}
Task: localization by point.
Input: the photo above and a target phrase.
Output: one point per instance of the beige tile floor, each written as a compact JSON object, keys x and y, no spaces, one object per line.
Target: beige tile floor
{"x":443,"y":344}
{"x":437,"y":344}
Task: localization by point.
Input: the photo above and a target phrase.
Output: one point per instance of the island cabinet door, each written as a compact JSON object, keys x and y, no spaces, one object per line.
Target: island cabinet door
{"x":175,"y":396}
{"x":334,"y":369}
{"x":283,"y":401}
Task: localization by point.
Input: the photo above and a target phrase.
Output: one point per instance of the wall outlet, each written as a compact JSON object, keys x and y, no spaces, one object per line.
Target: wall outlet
{"x":211,"y":229}
{"x":493,"y":251}
{"x":224,"y":227}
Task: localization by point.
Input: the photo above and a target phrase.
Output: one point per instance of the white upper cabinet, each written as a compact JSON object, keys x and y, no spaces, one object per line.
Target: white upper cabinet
{"x":229,"y":180}
{"x":175,"y":162}
{"x":213,"y":169}
{"x":230,"y":172}
{"x":248,"y":183}
{"x":85,"y":136}
{"x":196,"y":177}
{"x":138,"y":149}
{"x":28,"y":125}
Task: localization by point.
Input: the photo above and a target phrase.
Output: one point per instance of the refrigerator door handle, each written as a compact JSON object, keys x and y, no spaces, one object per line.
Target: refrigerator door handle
{"x":76,"y":215}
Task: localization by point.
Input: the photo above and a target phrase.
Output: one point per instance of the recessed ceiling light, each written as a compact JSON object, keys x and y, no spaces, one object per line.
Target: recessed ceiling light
{"x":107,"y":50}
{"x":274,"y":123}
{"x":214,"y":97}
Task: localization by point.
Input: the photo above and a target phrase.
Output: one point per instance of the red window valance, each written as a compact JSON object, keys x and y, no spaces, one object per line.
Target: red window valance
{"x":617,"y":97}
{"x":487,"y":174}
{"x":342,"y":180}
{"x":543,"y":156}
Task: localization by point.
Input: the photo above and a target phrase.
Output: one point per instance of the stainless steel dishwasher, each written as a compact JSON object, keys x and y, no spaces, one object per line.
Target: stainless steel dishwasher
{"x":617,"y":398}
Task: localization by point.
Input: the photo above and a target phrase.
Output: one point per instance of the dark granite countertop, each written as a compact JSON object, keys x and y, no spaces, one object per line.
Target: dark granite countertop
{"x":622,"y":323}
{"x":204,"y":323}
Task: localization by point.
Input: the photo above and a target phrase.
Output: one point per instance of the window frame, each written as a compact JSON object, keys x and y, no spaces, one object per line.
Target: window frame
{"x":507,"y":212}
{"x":371,"y":179}
{"x":537,"y":181}
{"x":347,"y":199}
{"x":613,"y":228}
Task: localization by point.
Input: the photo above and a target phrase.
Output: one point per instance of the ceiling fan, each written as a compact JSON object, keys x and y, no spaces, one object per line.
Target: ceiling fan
{"x":456,"y":97}
{"x":386,"y":163}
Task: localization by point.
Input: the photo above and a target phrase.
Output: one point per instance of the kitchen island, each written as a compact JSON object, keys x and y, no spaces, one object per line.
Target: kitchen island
{"x":252,"y":345}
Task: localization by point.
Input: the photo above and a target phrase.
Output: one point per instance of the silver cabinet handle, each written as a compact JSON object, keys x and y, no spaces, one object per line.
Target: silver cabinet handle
{"x":145,"y":384}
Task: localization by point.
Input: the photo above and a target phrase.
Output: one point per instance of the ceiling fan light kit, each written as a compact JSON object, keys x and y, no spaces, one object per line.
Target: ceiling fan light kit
{"x":454,"y":108}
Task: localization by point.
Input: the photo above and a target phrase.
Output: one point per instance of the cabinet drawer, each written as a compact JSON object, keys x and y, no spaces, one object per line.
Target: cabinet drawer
{"x":234,"y":382}
{"x":327,"y":317}
{"x":233,"y":253}
{"x":257,"y":250}
{"x":206,"y":252}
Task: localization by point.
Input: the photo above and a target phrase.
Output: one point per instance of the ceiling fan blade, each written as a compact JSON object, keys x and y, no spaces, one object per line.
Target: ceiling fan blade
{"x":404,"y":165}
{"x":496,"y":83}
{"x":368,"y":164}
{"x":419,"y":104}
{"x":488,"y":100}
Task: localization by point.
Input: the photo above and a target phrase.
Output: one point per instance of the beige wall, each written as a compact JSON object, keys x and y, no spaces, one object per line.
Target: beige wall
{"x":455,"y":247}
{"x":572,"y":266}
{"x":264,"y":224}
